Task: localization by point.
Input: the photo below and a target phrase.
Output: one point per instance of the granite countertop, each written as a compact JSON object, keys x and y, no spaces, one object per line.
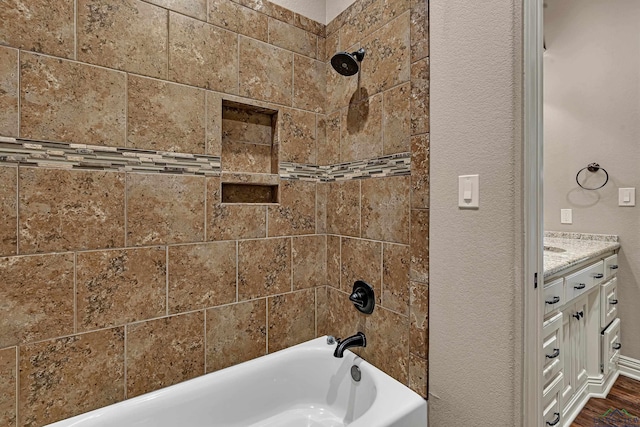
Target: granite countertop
{"x":564,"y":250}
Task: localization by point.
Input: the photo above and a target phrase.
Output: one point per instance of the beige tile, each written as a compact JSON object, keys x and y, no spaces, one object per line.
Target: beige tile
{"x":321,"y":310}
{"x":292,"y":38}
{"x":322,"y":49}
{"x":165,"y":116}
{"x":395,"y":278}
{"x":418,"y":375}
{"x":194,"y":8}
{"x":128,"y":35}
{"x":419,"y":317}
{"x":36,"y":298}
{"x":9,"y":93}
{"x":214,"y":123}
{"x":361,"y":130}
{"x":264,"y":268}
{"x":120,"y":286}
{"x":8,"y":210}
{"x":246,"y":125}
{"x":71,"y":102}
{"x":396,"y":126}
{"x":201,"y":275}
{"x":420,"y":245}
{"x":70,"y":210}
{"x":385,"y":209}
{"x":164,"y":352}
{"x":8,"y":387}
{"x":420,"y":97}
{"x":38,"y":25}
{"x":193,"y":58}
{"x":296,"y":212}
{"x":55,"y":376}
{"x":239,"y":19}
{"x":343,"y":208}
{"x":292,"y":319}
{"x":246,"y":157}
{"x":309,"y":84}
{"x":361,"y":24}
{"x":309,"y":261}
{"x":334,"y":264}
{"x":387,"y":343}
{"x":342,"y":319}
{"x":322,"y":191}
{"x":393,"y":8}
{"x":420,"y":171}
{"x":329,"y":148}
{"x":297,"y":136}
{"x":230,"y":222}
{"x":361,"y":260}
{"x":332,"y":46}
{"x":236,"y":333}
{"x":387,"y":63}
{"x":419,"y":30}
{"x":164,"y":209}
{"x":265,"y":72}
{"x":309,"y":25}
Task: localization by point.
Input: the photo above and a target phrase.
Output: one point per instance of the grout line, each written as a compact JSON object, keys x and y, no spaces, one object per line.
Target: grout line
{"x":237,"y":67}
{"x":205,"y":337}
{"x":266,"y":310}
{"x":237,"y":268}
{"x":126,"y":216}
{"x":316,"y":208}
{"x":169,"y":43}
{"x":75,"y":29}
{"x":205,"y":208}
{"x":19,"y":92}
{"x":18,"y":210}
{"x":340,"y":262}
{"x":75,"y":293}
{"x":360,"y":208}
{"x":382,"y":274}
{"x":166,"y":272}
{"x":125,"y":361}
{"x":17,"y":402}
{"x":126,"y":110}
{"x":266,"y":223}
{"x":291,"y":261}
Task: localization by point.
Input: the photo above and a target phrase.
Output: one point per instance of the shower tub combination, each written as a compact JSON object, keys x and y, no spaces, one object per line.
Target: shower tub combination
{"x":302,"y":386}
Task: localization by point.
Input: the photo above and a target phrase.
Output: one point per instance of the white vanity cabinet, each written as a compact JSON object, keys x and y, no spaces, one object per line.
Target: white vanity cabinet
{"x":580,"y":336}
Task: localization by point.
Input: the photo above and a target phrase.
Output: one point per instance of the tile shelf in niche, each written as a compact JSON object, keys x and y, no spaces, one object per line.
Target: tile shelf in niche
{"x":249,"y":154}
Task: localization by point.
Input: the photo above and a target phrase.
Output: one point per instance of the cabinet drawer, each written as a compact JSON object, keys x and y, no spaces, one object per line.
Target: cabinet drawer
{"x":611,"y":347}
{"x":581,"y":281}
{"x":610,"y":266}
{"x":551,"y":345}
{"x":608,"y":302}
{"x":551,"y":403}
{"x":553,"y":295}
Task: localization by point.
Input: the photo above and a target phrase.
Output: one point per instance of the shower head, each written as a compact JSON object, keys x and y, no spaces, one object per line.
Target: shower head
{"x":346,"y":63}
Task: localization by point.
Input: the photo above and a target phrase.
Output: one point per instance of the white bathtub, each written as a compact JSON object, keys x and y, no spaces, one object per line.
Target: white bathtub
{"x":302,"y":386}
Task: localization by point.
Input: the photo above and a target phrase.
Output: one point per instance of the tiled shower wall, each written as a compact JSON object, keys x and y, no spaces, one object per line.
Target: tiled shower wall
{"x":113,"y":284}
{"x":378,"y":228}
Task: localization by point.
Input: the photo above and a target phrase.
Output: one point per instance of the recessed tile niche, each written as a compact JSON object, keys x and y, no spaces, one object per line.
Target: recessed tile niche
{"x":249,"y":154}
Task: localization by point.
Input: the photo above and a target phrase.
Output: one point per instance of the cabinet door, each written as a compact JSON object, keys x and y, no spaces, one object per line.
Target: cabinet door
{"x":566,"y":352}
{"x":579,"y":339}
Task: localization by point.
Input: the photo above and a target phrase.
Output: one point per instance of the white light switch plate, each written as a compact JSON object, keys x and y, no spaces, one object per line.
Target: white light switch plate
{"x":469,"y":191}
{"x":627,"y":196}
{"x":566,"y":216}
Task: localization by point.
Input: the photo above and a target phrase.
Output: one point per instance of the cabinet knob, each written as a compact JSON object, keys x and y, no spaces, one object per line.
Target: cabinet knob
{"x":555,"y":300}
{"x":613,"y":301}
{"x":556,"y":421}
{"x":578,"y":314}
{"x":598,"y":275}
{"x":580,"y":286}
{"x":617,"y":346}
{"x":556,"y":353}
{"x":613,"y":266}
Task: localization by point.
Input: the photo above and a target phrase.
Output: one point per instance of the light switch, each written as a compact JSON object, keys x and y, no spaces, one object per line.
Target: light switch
{"x":626,"y":196}
{"x":469,"y":191}
{"x":566,"y":216}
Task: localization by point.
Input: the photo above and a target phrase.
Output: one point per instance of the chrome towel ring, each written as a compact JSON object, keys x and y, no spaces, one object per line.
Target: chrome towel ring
{"x":593,"y":167}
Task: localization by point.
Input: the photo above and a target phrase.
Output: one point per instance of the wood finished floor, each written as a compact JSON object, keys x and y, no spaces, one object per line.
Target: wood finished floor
{"x":625,"y":394}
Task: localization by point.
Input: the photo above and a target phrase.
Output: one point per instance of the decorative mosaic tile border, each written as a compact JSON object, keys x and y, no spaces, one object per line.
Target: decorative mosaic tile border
{"x":62,"y":155}
{"x":94,"y":157}
{"x":392,"y":165}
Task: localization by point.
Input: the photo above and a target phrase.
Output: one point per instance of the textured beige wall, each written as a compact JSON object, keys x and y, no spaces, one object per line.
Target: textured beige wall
{"x":475,"y":328}
{"x":592,"y":106}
